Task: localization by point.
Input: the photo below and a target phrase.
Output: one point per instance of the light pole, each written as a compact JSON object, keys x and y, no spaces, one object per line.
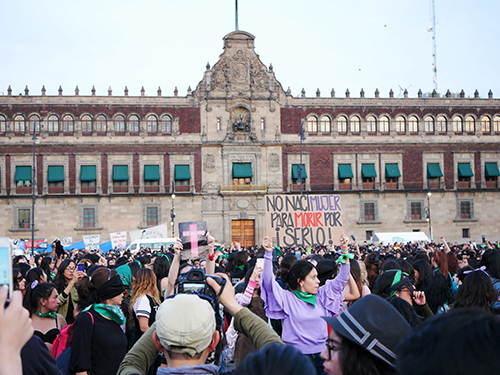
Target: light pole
{"x":172,"y":211}
{"x":428,"y":211}
{"x":302,"y":138}
{"x":33,"y":187}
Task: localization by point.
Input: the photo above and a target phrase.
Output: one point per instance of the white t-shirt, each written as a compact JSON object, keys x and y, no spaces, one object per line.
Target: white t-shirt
{"x":142,"y":307}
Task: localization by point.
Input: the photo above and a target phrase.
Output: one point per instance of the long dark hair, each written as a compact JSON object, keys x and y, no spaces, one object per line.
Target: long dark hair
{"x":437,"y":291}
{"x":34,"y":295}
{"x":34,"y":274}
{"x":491,"y":259}
{"x":476,"y":291}
{"x":423,"y":269}
{"x":299,"y":270}
{"x":86,"y":285}
{"x":60,"y":280}
{"x":45,"y":266}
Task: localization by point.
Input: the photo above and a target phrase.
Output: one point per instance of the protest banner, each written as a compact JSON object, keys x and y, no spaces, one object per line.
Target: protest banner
{"x":304,"y":220}
{"x":118,"y":239}
{"x":66,"y":241}
{"x":92,"y":242}
{"x":194,"y":240}
{"x":39,"y":244}
{"x":159,"y":231}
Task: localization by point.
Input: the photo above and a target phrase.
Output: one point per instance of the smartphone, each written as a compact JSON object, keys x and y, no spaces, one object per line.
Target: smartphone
{"x":298,"y":254}
{"x":81,"y":267}
{"x":6,"y":265}
{"x":353,"y":238}
{"x":259,"y":263}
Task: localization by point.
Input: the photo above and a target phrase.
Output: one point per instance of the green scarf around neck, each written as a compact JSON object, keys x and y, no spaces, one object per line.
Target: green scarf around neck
{"x":50,"y":314}
{"x":239,"y":268}
{"x":112,"y":312}
{"x":306,"y":297}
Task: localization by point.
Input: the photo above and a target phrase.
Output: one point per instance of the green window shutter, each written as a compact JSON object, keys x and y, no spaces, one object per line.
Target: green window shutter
{"x":56,"y":173}
{"x":151,"y":172}
{"x":242,"y":170}
{"x":491,"y":170}
{"x":392,"y":171}
{"x":464,"y":170}
{"x":182,"y":173}
{"x":88,"y":173}
{"x":120,"y":172}
{"x":368,"y":171}
{"x":434,"y":171}
{"x":345,"y":171}
{"x":295,"y":171}
{"x":23,"y":174}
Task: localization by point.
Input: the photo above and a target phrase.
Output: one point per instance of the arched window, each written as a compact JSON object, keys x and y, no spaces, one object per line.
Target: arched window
{"x":485,"y":124}
{"x":496,"y":124}
{"x":312,"y":124}
{"x":384,"y":124}
{"x":355,"y":127}
{"x":100,"y":123}
{"x":342,"y":124}
{"x":152,"y":123}
{"x":325,"y":124}
{"x":166,"y":124}
{"x":429,"y":124}
{"x":441,"y":124}
{"x":413,"y":124}
{"x":400,"y":124}
{"x":133,"y":123}
{"x":3,"y":124}
{"x":469,"y":124}
{"x":86,"y":124}
{"x":52,"y":124}
{"x":371,"y":124}
{"x":35,"y":123}
{"x":67,"y":124}
{"x":457,"y":124}
{"x":119,"y":123}
{"x":19,"y":124}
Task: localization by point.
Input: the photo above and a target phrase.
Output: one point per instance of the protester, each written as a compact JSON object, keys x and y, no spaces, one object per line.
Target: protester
{"x":302,"y":308}
{"x":364,"y":338}
{"x":491,"y":260}
{"x":475,"y":291}
{"x":99,"y":343}
{"x":41,"y":301}
{"x":161,"y":267}
{"x":66,"y":279}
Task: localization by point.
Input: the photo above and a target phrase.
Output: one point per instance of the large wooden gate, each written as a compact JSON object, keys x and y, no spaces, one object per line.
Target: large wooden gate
{"x":243,"y":231}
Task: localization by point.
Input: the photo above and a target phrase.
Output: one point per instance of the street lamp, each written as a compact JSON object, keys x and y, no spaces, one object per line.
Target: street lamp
{"x":302,"y":138}
{"x":428,"y":211}
{"x":172,"y":212}
{"x":33,"y":187}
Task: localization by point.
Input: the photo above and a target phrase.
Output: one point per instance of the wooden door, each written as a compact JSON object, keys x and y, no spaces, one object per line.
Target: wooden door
{"x":243,"y":231}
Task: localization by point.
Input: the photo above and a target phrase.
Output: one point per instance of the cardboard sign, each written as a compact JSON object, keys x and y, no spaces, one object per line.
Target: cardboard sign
{"x":91,"y":242}
{"x":118,"y":239}
{"x":194,"y":240}
{"x":304,"y":220}
{"x":66,"y":241}
{"x":159,"y":231}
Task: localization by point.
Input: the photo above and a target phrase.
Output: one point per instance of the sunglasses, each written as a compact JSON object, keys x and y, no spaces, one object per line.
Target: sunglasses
{"x":20,"y":278}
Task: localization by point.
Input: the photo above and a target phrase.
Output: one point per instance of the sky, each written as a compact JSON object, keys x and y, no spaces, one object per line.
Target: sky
{"x":311,"y":44}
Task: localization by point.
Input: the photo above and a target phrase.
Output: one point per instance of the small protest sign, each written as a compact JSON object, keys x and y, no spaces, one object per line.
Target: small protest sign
{"x":194,"y":240}
{"x":91,"y":242}
{"x":118,"y":239}
{"x":304,"y":220}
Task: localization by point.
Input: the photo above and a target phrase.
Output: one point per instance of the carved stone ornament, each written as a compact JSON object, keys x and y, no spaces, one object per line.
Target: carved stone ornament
{"x":209,"y":164}
{"x":274,"y":162}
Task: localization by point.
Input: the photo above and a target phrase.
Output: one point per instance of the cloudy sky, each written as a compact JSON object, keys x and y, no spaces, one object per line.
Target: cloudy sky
{"x":313,"y":44}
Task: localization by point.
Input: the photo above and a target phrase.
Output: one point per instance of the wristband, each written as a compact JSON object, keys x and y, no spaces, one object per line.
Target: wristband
{"x":211,"y":257}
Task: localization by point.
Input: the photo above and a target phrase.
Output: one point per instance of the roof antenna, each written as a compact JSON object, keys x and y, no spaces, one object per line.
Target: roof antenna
{"x":236,"y":14}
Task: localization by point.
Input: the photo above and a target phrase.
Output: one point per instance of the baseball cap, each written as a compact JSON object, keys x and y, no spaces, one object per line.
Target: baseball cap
{"x":185,"y":324}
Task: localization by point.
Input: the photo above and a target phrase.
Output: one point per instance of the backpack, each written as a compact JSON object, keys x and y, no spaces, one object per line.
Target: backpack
{"x":61,"y":348}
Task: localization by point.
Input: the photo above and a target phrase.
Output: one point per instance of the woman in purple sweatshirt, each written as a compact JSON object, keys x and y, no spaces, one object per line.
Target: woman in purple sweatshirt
{"x":301,"y":309}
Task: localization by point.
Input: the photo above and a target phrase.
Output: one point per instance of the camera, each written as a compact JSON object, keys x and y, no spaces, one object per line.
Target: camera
{"x":194,"y":282}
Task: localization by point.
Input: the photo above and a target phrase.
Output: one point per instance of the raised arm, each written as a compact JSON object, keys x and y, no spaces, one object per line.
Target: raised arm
{"x":174,"y":268}
{"x":210,"y":266}
{"x":446,"y":247}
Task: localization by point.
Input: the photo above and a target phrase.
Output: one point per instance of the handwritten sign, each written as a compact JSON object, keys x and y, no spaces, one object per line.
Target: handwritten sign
{"x":194,"y":240}
{"x":304,"y":220}
{"x":118,"y":239}
{"x":91,"y":242}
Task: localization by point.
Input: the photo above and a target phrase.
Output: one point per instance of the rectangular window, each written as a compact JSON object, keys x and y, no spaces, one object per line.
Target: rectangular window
{"x":242,"y":173}
{"x":152,"y":216}
{"x":182,"y":176}
{"x":23,"y":218}
{"x":465,"y":233}
{"x":392,"y":175}
{"x":369,"y":211}
{"x":464,"y":175}
{"x":491,"y":174}
{"x":416,"y":210}
{"x":296,"y":173}
{"x":434,"y":174}
{"x":368,"y":174}
{"x":89,"y":218}
{"x":369,"y":235}
{"x":345,"y":176}
{"x":23,"y":179}
{"x":152,"y":178}
{"x":56,"y":179}
{"x":465,"y":210}
{"x":120,"y":178}
{"x":88,"y":178}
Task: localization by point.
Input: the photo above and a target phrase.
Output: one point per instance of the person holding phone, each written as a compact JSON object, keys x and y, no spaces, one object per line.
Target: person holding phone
{"x":66,"y":279}
{"x":302,"y":307}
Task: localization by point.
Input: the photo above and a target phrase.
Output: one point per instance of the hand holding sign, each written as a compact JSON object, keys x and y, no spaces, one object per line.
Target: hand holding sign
{"x":266,"y":244}
{"x":194,"y":240}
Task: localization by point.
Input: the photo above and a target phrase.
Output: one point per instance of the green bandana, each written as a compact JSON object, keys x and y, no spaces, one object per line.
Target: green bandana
{"x":239,"y":268}
{"x":342,"y":257}
{"x":397,"y":279}
{"x":51,"y":314}
{"x":112,"y":312}
{"x":52,"y":275}
{"x":306,"y":297}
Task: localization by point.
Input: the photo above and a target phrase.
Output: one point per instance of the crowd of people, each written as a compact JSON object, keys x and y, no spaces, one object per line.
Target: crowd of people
{"x":427,"y":308}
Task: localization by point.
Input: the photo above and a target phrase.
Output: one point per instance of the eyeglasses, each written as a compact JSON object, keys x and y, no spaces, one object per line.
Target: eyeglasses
{"x":70,"y":269}
{"x":331,"y":344}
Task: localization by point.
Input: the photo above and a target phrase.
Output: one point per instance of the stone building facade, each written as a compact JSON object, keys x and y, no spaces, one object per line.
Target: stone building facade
{"x":110,"y":163}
